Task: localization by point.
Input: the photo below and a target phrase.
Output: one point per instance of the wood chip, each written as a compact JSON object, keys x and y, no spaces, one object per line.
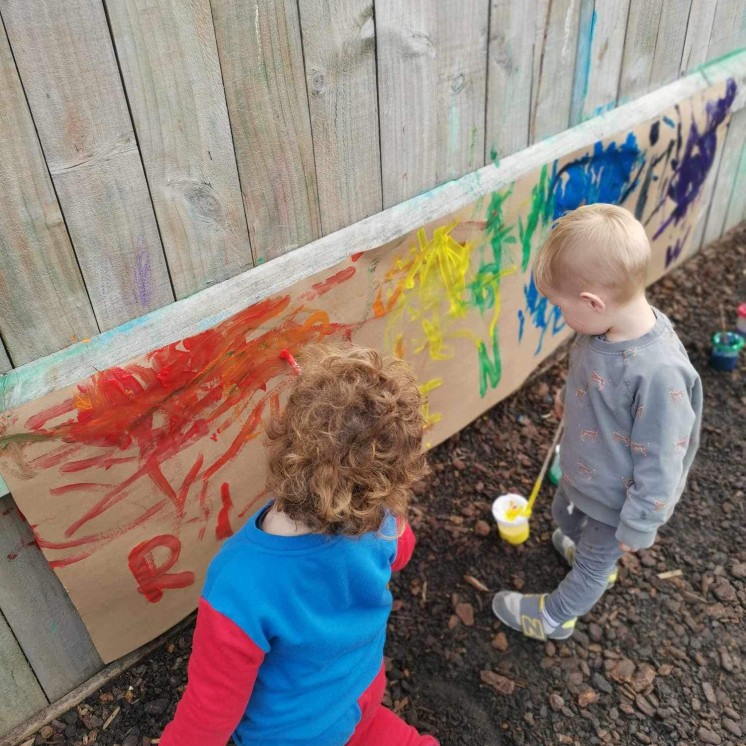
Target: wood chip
{"x":474,"y":583}
{"x":111,"y":717}
{"x":670,"y":574}
{"x":500,"y":683}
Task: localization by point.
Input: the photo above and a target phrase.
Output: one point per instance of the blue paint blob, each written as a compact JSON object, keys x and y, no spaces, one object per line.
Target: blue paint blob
{"x":608,"y":174}
{"x":655,"y":130}
{"x":544,"y":316}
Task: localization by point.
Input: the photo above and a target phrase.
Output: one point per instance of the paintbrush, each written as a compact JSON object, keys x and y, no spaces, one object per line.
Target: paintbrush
{"x":513,"y":513}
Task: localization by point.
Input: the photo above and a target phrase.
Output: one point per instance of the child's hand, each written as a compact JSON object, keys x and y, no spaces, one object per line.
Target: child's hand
{"x":625,"y":548}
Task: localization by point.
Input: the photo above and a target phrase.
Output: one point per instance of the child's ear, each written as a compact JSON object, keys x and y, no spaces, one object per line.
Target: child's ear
{"x":594,"y":302}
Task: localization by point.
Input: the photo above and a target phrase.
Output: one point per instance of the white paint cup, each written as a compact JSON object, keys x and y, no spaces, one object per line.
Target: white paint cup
{"x":515,"y":531}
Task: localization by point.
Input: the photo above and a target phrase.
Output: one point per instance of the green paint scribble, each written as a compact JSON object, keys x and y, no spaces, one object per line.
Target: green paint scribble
{"x":490,"y":371}
{"x":542,"y":207}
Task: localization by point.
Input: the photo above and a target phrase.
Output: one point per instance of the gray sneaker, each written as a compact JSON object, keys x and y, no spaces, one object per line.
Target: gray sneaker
{"x":522,"y":612}
{"x":566,"y":549}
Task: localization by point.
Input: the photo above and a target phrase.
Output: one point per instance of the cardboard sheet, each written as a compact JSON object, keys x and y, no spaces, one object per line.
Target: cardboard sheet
{"x":132,"y":478}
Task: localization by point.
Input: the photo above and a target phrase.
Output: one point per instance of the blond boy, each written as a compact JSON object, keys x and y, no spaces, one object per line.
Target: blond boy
{"x":632,"y":407}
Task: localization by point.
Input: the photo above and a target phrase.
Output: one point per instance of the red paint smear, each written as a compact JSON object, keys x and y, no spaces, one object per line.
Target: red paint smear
{"x":252,"y":502}
{"x":331,"y":282}
{"x":11,"y":557}
{"x":7,"y":511}
{"x":224,"y":530}
{"x":356,"y":256}
{"x":80,"y":487}
{"x":69,"y":560}
{"x":167,"y":403}
{"x":40,"y":419}
{"x":104,"y":536}
{"x":152,"y":579}
{"x":97,"y":462}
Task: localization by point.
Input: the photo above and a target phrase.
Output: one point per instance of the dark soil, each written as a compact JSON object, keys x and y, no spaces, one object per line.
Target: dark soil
{"x":659,"y":660}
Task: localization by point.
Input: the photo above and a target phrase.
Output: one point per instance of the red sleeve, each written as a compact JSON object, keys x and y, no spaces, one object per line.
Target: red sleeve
{"x":222,"y":670}
{"x":404,"y":547}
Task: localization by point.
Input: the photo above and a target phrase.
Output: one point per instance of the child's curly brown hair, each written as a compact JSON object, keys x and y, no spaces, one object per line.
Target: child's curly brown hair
{"x":348,"y":445}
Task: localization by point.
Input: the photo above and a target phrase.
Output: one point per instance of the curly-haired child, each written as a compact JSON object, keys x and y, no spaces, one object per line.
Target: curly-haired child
{"x":291,"y":626}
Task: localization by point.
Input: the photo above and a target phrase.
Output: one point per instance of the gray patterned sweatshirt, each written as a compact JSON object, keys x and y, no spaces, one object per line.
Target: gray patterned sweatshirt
{"x":632,"y":416}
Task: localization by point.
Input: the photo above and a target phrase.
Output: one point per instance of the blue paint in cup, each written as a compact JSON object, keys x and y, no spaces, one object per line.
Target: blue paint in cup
{"x":726,"y":347}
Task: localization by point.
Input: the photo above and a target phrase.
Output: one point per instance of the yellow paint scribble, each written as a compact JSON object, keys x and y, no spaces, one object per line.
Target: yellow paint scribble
{"x":430,"y":417}
{"x":399,"y":347}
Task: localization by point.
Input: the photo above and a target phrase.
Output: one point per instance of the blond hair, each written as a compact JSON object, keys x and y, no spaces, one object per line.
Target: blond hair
{"x":348,"y":446}
{"x":596,"y":246}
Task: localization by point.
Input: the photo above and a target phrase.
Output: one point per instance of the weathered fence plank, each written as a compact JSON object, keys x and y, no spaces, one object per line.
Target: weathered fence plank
{"x":171,"y":70}
{"x":669,"y":47}
{"x":639,"y":47}
{"x":510,"y":59}
{"x":607,"y":49}
{"x":43,"y":302}
{"x":39,"y":611}
{"x":432,"y":63}
{"x":20,"y":693}
{"x":555,"y":50}
{"x":698,"y":32}
{"x":728,"y":28}
{"x":340,"y":59}
{"x":69,"y":72}
{"x":5,"y":364}
{"x":259,"y":44}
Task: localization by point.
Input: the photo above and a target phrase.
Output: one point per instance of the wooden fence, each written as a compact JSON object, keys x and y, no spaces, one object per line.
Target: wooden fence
{"x":152,"y":149}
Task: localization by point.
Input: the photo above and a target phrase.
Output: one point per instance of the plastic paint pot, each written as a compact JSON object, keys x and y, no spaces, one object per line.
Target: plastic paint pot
{"x":726,"y":347}
{"x":515,"y":531}
{"x":555,"y":472}
{"x":741,"y":322}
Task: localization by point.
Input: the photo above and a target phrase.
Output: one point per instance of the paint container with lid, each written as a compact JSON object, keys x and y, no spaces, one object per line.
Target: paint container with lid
{"x":741,"y":323}
{"x":513,"y":531}
{"x":726,"y":347}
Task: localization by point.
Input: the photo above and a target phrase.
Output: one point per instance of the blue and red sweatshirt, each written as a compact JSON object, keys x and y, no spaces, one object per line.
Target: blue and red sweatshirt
{"x":289,"y":637}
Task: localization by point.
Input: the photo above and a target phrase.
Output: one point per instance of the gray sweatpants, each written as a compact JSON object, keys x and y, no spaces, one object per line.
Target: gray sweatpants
{"x":596,"y":554}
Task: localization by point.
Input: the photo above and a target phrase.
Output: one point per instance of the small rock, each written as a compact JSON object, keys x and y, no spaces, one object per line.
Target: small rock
{"x":642,"y":737}
{"x":452,"y":621}
{"x":709,"y":693}
{"x":458,"y":463}
{"x":644,"y":706}
{"x":556,"y":702}
{"x":588,"y":697}
{"x":738,"y":570}
{"x":696,"y":704}
{"x":595,"y":632}
{"x":726,"y":661}
{"x":500,"y":683}
{"x":482,"y":528}
{"x":563,"y":739}
{"x":602,"y":684}
{"x":708,"y":736}
{"x":622,"y":671}
{"x":643,"y":678}
{"x":581,"y":638}
{"x":550,"y":649}
{"x":529,"y":718}
{"x":47,"y":732}
{"x":724,"y":591}
{"x":157,"y":706}
{"x":665,"y":669}
{"x":732,"y":727}
{"x":133,"y":739}
{"x":465,"y":612}
{"x":518,"y":582}
{"x":500,"y":642}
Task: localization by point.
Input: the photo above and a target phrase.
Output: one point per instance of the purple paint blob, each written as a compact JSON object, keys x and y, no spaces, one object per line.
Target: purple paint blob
{"x":697,"y":158}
